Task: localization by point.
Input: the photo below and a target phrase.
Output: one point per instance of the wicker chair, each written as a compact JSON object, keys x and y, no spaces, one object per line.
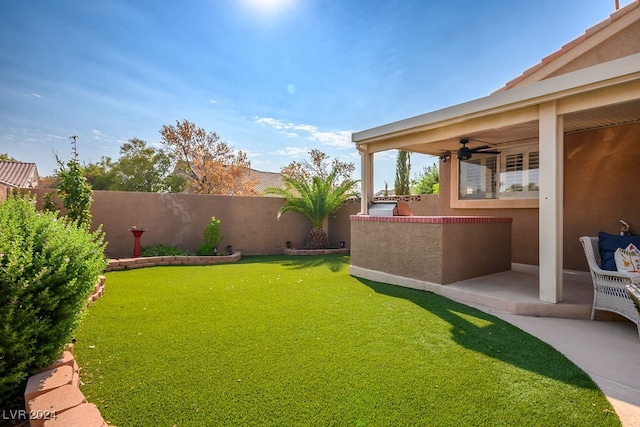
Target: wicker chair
{"x":634,"y":293}
{"x":609,"y":292}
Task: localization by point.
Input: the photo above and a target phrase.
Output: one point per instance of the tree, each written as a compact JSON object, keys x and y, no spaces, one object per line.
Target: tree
{"x":101,"y":175}
{"x":315,"y":189}
{"x":5,"y":157}
{"x":73,"y":189}
{"x":403,"y":172}
{"x":139,"y":168}
{"x":428,"y":181}
{"x":210,"y":165}
{"x":320,"y":165}
{"x":143,"y":168}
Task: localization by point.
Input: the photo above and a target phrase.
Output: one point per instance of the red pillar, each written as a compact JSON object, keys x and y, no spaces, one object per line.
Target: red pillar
{"x":137,"y":232}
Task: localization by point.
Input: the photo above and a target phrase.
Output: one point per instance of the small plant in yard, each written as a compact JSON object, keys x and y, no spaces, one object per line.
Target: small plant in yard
{"x":212,"y":238}
{"x":162,"y":250}
{"x":73,"y":189}
{"x":48,"y":268}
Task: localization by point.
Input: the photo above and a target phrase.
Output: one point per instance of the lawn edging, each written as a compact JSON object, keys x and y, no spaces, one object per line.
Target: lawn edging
{"x":52,"y":396}
{"x":153,"y":261}
{"x":287,"y":251}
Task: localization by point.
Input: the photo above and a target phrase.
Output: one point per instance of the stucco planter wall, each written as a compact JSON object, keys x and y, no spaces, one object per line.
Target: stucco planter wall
{"x":433,"y":249}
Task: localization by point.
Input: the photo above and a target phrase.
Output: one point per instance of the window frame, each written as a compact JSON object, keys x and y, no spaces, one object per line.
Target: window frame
{"x":500,"y":201}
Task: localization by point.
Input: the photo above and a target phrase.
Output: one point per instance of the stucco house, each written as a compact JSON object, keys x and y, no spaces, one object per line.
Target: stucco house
{"x":554,"y":154}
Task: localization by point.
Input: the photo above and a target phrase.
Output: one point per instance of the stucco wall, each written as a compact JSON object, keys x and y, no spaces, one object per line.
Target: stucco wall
{"x":407,"y":250}
{"x":443,"y":252}
{"x":602,"y":176}
{"x":339,"y":224}
{"x":248,"y":223}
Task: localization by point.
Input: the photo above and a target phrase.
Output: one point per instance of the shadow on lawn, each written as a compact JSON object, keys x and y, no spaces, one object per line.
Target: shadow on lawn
{"x":335,"y":262}
{"x":495,"y":338}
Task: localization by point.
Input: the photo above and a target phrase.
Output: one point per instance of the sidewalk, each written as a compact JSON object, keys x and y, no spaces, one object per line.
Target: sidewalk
{"x":608,"y":351}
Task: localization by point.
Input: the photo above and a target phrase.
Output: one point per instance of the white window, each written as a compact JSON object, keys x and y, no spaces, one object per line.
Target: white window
{"x":478,"y":177}
{"x":514,"y":173}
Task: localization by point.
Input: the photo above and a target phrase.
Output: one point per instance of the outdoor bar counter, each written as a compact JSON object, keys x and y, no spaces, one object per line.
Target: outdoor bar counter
{"x":434,"y":249}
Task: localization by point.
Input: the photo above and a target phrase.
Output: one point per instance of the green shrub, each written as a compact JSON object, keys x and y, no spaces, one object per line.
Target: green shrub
{"x":162,"y":250}
{"x":74,"y":190}
{"x":48,"y":267}
{"x":212,"y":237}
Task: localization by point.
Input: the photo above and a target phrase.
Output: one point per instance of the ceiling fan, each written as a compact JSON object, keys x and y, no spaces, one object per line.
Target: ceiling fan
{"x":465,"y":153}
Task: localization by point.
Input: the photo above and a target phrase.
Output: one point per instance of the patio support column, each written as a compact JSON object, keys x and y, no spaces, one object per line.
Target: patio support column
{"x":366,"y":182}
{"x":551,"y":202}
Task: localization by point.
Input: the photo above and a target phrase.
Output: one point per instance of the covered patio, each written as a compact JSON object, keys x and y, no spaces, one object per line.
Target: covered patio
{"x":577,"y":130}
{"x":516,"y":292}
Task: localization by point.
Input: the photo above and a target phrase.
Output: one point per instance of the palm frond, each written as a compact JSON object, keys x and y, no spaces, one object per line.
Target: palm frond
{"x":315,"y":198}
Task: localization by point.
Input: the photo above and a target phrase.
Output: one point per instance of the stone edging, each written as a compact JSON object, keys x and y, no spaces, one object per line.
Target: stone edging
{"x":286,"y":251}
{"x":131,"y":263}
{"x":53,"y":397}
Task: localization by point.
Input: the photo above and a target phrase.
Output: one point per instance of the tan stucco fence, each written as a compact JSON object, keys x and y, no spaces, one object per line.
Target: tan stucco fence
{"x":249,"y":224}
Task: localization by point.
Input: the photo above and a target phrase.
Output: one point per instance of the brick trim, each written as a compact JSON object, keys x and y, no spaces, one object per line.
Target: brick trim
{"x":434,"y":219}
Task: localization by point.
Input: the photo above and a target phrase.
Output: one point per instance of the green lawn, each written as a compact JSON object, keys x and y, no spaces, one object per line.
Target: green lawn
{"x":297,"y":341}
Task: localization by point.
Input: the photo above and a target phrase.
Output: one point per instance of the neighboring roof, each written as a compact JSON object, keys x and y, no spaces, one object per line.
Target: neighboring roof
{"x":265,"y":180}
{"x":615,"y":37}
{"x":18,"y":174}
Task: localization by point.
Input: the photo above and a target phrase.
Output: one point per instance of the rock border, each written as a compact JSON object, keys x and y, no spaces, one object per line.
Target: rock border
{"x":153,"y":261}
{"x":286,"y":251}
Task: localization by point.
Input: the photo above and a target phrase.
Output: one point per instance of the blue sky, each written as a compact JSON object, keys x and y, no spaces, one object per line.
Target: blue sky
{"x":272,"y":78}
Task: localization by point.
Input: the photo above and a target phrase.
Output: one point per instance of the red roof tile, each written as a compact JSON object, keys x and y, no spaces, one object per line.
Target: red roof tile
{"x":572,"y":44}
{"x":18,"y":174}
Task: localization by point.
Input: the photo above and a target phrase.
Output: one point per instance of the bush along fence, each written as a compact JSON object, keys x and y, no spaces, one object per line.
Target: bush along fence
{"x":49,"y":266}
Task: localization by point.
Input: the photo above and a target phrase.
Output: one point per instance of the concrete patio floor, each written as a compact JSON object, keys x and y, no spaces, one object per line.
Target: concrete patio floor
{"x":516,"y":292}
{"x":607,"y":349}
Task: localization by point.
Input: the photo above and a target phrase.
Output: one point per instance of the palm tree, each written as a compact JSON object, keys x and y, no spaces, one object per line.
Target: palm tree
{"x":316,"y":198}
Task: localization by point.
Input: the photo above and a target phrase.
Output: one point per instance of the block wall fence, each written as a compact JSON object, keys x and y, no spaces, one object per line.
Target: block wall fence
{"x":249,"y":224}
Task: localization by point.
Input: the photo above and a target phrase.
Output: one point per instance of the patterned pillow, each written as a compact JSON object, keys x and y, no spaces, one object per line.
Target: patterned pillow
{"x":609,"y":243}
{"x":628,"y":259}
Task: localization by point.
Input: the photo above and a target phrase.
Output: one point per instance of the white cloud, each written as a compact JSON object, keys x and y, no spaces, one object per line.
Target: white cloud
{"x":269,"y":121}
{"x":36,"y":95}
{"x":292,"y":152}
{"x":99,"y":135}
{"x":339,"y":139}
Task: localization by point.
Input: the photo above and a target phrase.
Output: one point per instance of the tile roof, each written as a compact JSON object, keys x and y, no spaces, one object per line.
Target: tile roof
{"x":265,"y":180}
{"x":589,"y":33}
{"x":18,"y":174}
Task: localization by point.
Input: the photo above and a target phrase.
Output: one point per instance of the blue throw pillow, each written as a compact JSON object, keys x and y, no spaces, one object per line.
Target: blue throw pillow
{"x":609,"y":243}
